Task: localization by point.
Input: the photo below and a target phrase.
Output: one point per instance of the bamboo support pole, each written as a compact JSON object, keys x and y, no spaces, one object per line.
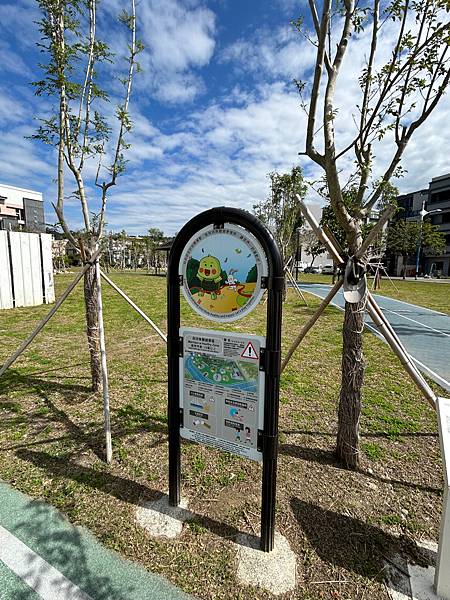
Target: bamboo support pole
{"x":47,"y":318}
{"x":311,"y":322}
{"x":374,"y":310}
{"x":376,"y":230}
{"x":318,"y":231}
{"x":392,"y":339}
{"x":133,"y":305}
{"x":295,"y":285}
{"x":105,"y":386}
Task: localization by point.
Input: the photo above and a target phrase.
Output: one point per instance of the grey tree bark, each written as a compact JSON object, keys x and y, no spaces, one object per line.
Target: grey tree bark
{"x":92,"y":327}
{"x":347,"y":443}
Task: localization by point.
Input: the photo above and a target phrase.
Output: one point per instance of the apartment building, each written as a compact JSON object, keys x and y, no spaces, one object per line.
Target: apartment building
{"x":439,"y":199}
{"x":436,"y":201}
{"x":21,"y":209}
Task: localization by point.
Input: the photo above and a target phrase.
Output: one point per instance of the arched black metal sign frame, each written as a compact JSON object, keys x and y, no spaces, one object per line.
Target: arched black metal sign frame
{"x":274,"y":284}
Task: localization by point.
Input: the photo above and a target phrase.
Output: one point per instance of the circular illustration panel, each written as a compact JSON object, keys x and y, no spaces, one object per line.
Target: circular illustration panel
{"x":222,"y":270}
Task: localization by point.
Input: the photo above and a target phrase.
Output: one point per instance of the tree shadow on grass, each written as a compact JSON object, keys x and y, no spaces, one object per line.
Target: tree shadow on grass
{"x":126,"y":490}
{"x":347,"y":542}
{"x":327,"y":457}
{"x":12,"y":380}
{"x":64,"y":548}
{"x":125,"y":421}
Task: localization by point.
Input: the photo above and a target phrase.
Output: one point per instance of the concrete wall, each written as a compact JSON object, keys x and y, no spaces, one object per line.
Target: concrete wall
{"x":26,"y":271}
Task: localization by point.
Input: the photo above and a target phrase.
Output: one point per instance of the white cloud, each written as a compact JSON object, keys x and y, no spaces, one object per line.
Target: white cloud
{"x":220,"y":154}
{"x":11,"y":61}
{"x":276,"y":53}
{"x":179,"y":38}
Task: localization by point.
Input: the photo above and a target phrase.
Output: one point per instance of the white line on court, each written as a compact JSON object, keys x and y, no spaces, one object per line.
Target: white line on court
{"x":438,"y":312}
{"x":383,"y":308}
{"x":440,"y":380}
{"x":37,"y":573}
{"x":443,"y":382}
{"x":380,"y":296}
{"x":414,"y":321}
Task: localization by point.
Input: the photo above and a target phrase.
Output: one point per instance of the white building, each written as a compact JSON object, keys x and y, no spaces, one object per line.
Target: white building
{"x":21,"y":209}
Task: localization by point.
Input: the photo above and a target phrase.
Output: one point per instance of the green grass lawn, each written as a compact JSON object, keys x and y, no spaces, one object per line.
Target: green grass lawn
{"x":424,"y":293}
{"x":340,"y":523}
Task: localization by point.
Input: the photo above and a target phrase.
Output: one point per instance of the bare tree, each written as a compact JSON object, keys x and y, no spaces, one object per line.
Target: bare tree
{"x":78,"y":129}
{"x":396,"y":98}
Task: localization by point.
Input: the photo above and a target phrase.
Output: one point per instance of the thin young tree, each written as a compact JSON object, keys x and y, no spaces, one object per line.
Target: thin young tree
{"x":74,"y":80}
{"x":397,"y":95}
{"x":404,"y":238}
{"x":280,"y":211}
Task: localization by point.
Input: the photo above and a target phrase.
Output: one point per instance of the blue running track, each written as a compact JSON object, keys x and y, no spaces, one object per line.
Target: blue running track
{"x":425,"y":333}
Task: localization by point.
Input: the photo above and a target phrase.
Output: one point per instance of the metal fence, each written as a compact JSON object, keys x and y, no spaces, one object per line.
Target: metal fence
{"x":26,"y":270}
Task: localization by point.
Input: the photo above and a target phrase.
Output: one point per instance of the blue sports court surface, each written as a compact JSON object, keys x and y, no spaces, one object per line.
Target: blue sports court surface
{"x":425,"y":333}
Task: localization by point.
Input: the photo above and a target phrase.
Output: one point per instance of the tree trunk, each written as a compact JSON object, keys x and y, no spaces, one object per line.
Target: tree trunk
{"x":347,"y":446}
{"x":92,"y":329}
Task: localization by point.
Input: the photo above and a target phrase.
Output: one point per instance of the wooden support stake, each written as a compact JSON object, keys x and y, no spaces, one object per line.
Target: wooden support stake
{"x":136,"y":308}
{"x":295,"y":284}
{"x":318,"y":231}
{"x":376,"y":230}
{"x":374,"y":310}
{"x":47,"y":318}
{"x":392,"y":339}
{"x":105,"y":386}
{"x":311,"y":322}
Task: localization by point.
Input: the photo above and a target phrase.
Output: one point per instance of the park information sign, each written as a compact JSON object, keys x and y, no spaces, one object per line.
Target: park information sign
{"x":222,"y":271}
{"x":222,"y":390}
{"x":223,"y":387}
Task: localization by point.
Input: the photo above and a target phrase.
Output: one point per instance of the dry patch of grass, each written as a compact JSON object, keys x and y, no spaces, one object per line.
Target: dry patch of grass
{"x":340,"y":523}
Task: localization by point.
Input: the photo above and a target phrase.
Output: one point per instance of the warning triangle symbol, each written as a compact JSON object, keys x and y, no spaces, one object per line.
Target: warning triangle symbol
{"x":250,"y":352}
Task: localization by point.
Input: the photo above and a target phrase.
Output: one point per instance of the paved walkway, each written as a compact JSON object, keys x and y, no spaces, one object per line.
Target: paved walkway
{"x":43,"y":556}
{"x":425,"y":333}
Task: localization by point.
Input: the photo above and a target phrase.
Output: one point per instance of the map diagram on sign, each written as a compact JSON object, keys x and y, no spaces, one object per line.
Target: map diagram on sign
{"x":222,"y":391}
{"x":235,"y":374}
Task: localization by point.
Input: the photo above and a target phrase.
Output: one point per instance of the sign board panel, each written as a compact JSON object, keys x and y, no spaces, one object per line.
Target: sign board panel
{"x":443,"y":410}
{"x":442,"y":574}
{"x":222,"y":390}
{"x":222,"y":270}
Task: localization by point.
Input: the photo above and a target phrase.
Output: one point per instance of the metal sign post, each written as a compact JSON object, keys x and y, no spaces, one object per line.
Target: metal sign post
{"x":223,"y":259}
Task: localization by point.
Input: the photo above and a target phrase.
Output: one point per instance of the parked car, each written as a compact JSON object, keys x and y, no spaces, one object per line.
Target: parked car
{"x":300,"y":265}
{"x":327,"y":270}
{"x":314,"y":270}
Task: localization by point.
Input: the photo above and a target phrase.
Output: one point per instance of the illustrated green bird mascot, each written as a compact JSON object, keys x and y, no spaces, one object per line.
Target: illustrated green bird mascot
{"x":210,"y":275}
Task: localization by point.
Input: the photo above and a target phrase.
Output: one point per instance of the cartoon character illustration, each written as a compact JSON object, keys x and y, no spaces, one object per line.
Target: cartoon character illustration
{"x":231,"y":280}
{"x":210,"y":276}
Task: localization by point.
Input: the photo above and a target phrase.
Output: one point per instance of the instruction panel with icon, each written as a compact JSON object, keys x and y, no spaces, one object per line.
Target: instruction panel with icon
{"x":222,"y":390}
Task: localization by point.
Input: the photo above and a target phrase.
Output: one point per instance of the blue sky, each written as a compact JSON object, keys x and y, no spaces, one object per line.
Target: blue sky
{"x":214,"y":110}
